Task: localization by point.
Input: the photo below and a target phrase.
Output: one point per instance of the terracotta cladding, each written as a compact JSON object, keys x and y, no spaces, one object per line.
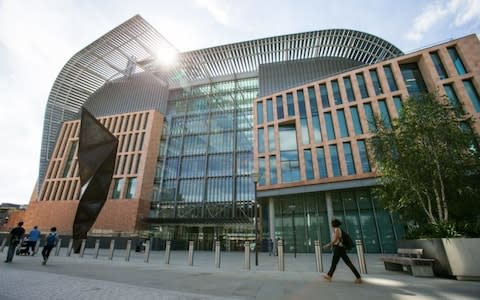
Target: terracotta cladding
{"x":139,"y":140}
{"x":469,"y":52}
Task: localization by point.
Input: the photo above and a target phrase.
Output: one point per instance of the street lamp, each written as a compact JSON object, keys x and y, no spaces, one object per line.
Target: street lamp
{"x":255,"y":177}
{"x":292,"y":208}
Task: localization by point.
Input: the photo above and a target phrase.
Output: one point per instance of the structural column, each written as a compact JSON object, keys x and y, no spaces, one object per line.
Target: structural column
{"x":271,"y":220}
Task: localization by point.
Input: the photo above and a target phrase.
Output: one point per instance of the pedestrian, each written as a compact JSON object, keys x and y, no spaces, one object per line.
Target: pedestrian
{"x":339,"y":251}
{"x":15,"y":237}
{"x":270,"y":247}
{"x":33,"y":237}
{"x":51,"y":241}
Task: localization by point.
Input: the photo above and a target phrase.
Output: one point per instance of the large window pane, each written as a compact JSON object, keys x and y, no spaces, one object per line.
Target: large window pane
{"x":221,"y":122}
{"x":324,"y":96}
{"x":301,"y":104}
{"x":269,"y":110}
{"x":356,"y":120}
{"x":244,"y":163}
{"x":361,"y":85}
{"x":261,"y":171}
{"x":349,"y":89}
{"x":452,"y":96}
{"x":219,"y":189}
{"x":190,"y":190}
{"x":131,"y":187}
{"x":317,"y":132}
{"x":457,"y":61}
{"x":384,"y":114}
{"x":273,"y":170}
{"x":363,"y":156}
{"x":193,"y":167}
{"x":260,"y":112}
{"x":347,"y":150}
{"x":437,"y":62}
{"x":221,"y":142}
{"x":244,"y":140}
{"x":220,"y":165}
{"x":342,"y":122}
{"x":390,"y":78}
{"x":305,"y":136}
{"x":117,"y":188}
{"x":279,"y":102}
{"x":370,"y":117}
{"x":271,"y":138}
{"x":472,"y":94}
{"x":413,"y":79}
{"x":261,"y":140}
{"x":307,"y":153}
{"x":171,"y":168}
{"x":195,"y":144}
{"x":336,"y":92}
{"x":290,"y":106}
{"x":313,"y":101}
{"x":329,"y":124}
{"x":335,"y":160}
{"x":287,"y":137}
{"x":196,"y":123}
{"x":290,"y":166}
{"x":397,"y":100}
{"x":322,"y":167}
{"x":376,"y":82}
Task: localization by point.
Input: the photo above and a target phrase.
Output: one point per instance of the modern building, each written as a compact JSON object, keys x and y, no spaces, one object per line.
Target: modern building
{"x":268,"y":133}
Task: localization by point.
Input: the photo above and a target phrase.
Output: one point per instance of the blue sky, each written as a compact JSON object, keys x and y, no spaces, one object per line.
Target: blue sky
{"x":38,"y":37}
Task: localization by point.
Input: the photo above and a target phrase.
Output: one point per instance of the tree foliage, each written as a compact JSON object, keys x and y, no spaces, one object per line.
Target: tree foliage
{"x":427,"y":160}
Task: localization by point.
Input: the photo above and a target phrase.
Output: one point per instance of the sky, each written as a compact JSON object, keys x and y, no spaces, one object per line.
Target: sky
{"x":37,"y":38}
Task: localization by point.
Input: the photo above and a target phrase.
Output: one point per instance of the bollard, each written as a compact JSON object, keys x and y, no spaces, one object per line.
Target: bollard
{"x":281,"y":258}
{"x":318,"y":256}
{"x":57,"y":248}
{"x":167,"y":252}
{"x":146,"y":256}
{"x":190,"y":253}
{"x":82,"y":247}
{"x":361,"y":257}
{"x":128,"y":250}
{"x":112,"y":249}
{"x":246,"y":262}
{"x":96,"y":249}
{"x":217,"y":254}
{"x":70,"y":247}
{"x":4,"y":242}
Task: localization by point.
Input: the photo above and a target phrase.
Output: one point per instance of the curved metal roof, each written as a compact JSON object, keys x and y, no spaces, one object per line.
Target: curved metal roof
{"x":106,"y":59}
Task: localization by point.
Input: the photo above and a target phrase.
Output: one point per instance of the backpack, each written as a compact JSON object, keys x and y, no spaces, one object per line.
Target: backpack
{"x":51,"y":239}
{"x":347,"y":241}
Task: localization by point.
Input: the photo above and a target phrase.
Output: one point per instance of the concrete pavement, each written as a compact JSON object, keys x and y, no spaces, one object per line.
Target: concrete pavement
{"x":88,"y":278}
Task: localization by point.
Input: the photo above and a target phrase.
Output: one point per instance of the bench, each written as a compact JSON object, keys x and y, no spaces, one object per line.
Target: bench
{"x":409,"y":260}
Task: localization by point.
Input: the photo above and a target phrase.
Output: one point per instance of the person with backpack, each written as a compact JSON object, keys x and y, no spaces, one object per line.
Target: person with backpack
{"x":33,"y":237}
{"x":341,"y":242}
{"x":51,"y":241}
{"x":16,"y":235}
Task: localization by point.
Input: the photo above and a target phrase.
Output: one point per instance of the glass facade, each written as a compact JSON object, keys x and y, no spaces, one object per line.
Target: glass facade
{"x":362,"y":148}
{"x":413,"y":79}
{"x":347,"y":151}
{"x":376,"y":82}
{"x":324,"y":96}
{"x":307,"y":154}
{"x":349,"y":89}
{"x":356,"y":120}
{"x":337,"y":97}
{"x":437,"y":62}
{"x":370,"y":117}
{"x":329,"y":124}
{"x":290,"y":165}
{"x":392,"y":84}
{"x":290,"y":105}
{"x":279,"y":102}
{"x":322,"y":166}
{"x":335,"y":160}
{"x":362,"y":85}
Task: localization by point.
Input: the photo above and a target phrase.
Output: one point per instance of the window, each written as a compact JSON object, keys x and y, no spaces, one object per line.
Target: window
{"x":413,"y":79}
{"x":220,"y":165}
{"x":329,"y":124}
{"x":291,"y":108}
{"x":261,"y":171}
{"x":452,"y":96}
{"x":271,"y":139}
{"x":313,"y":101}
{"x":362,"y":86}
{"x":290,"y":166}
{"x":322,"y":167}
{"x":279,"y":107}
{"x":347,"y":150}
{"x":363,"y":156}
{"x":71,"y":153}
{"x":390,"y":78}
{"x":356,"y":120}
{"x":457,"y":61}
{"x":304,"y":125}
{"x":397,"y":100}
{"x":261,"y":143}
{"x":370,"y":117}
{"x":384,"y":114}
{"x":342,"y":122}
{"x":269,"y":110}
{"x":336,"y":92}
{"x":349,"y":88}
{"x":335,"y":161}
{"x":301,"y":104}
{"x":131,"y":187}
{"x":117,"y":188}
{"x":472,"y":94}
{"x":307,"y":154}
{"x":442,"y":74}
{"x":324,"y":96}
{"x":317,"y":132}
{"x":273,"y":170}
{"x":259,"y":112}
{"x":193,"y":166}
{"x":376,"y":82}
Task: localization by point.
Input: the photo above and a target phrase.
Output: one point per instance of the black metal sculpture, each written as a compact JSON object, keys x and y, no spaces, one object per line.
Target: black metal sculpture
{"x":97,"y":151}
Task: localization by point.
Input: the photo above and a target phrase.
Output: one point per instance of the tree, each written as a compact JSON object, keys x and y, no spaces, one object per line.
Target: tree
{"x":427,"y":159}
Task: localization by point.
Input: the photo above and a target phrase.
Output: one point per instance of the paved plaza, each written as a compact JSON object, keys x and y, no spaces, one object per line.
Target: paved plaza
{"x":75,"y":277}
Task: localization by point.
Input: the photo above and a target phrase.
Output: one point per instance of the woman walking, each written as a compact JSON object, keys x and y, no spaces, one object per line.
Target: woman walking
{"x":339,"y":252}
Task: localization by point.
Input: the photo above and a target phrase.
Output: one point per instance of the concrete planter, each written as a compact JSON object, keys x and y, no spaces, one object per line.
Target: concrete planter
{"x":462,"y":254}
{"x":454,"y":257}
